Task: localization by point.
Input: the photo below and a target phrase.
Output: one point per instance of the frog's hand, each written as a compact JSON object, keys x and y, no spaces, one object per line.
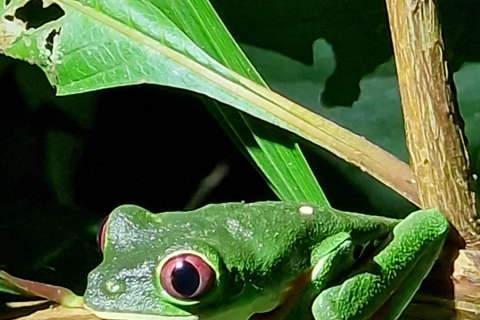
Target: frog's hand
{"x":63,"y":296}
{"x":400,"y":269}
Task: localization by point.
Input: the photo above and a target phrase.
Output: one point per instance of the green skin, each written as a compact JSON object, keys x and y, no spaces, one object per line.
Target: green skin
{"x":258,"y":251}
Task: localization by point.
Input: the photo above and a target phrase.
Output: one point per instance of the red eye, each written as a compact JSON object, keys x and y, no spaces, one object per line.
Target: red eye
{"x":187,"y":276}
{"x":102,"y":234}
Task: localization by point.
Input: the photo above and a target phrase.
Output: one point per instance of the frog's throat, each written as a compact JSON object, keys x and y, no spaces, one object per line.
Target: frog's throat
{"x":278,"y":299}
{"x":267,"y":302}
{"x":137,"y":316}
{"x":273,"y":303}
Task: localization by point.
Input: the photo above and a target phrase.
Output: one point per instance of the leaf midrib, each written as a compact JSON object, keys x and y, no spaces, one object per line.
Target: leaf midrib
{"x":304,"y":122}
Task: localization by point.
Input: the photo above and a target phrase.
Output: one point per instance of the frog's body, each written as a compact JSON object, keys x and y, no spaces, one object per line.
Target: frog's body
{"x":257,"y":253}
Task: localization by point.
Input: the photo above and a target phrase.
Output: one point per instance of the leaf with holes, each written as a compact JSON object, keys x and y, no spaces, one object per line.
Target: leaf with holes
{"x":275,"y":152}
{"x":101,"y":44}
{"x":104,"y":43}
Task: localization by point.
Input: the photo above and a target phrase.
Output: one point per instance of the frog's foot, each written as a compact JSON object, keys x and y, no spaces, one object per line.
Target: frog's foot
{"x":399,"y":270}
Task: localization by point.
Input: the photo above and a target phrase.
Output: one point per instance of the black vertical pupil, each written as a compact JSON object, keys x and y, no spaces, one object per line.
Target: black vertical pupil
{"x":185,"y":279}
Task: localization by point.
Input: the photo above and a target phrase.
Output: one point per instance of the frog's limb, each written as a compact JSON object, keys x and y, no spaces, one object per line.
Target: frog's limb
{"x":331,"y":259}
{"x":57,"y":294}
{"x":416,"y":244}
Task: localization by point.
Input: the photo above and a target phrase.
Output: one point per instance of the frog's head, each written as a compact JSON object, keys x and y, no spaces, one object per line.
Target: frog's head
{"x":167,"y":266}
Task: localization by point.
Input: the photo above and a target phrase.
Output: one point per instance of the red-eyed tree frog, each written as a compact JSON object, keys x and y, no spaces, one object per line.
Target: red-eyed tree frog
{"x":265,"y":260}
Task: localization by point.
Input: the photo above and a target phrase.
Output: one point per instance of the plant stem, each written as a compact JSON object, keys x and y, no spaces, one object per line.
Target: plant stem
{"x":434,"y":128}
{"x":436,"y":141}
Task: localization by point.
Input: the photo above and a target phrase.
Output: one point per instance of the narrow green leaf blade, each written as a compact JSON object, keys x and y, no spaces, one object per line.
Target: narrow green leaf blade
{"x":275,"y":152}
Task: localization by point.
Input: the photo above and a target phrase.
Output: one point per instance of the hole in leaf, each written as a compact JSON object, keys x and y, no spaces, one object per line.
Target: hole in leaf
{"x":9,"y":18}
{"x":7,"y":2}
{"x":50,"y":39}
{"x":36,"y":16}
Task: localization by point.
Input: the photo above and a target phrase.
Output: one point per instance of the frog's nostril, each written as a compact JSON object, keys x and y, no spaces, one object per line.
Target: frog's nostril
{"x":115,"y":287}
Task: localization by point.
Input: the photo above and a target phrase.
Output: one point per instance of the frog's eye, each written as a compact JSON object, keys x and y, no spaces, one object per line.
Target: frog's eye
{"x":186,"y":276}
{"x":102,"y":234}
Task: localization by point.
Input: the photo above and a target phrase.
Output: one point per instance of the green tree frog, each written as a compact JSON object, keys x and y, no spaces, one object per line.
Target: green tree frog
{"x":265,"y":260}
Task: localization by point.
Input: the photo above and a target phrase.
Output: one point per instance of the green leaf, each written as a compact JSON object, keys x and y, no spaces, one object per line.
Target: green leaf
{"x":281,"y":162}
{"x":101,"y":43}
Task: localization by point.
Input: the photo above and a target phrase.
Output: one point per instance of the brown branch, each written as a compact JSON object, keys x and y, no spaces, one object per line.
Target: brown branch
{"x":435,"y":138}
{"x":434,"y":129}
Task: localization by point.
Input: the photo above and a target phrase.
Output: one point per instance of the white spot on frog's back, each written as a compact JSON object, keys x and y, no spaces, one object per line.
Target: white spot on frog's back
{"x":306,"y":210}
